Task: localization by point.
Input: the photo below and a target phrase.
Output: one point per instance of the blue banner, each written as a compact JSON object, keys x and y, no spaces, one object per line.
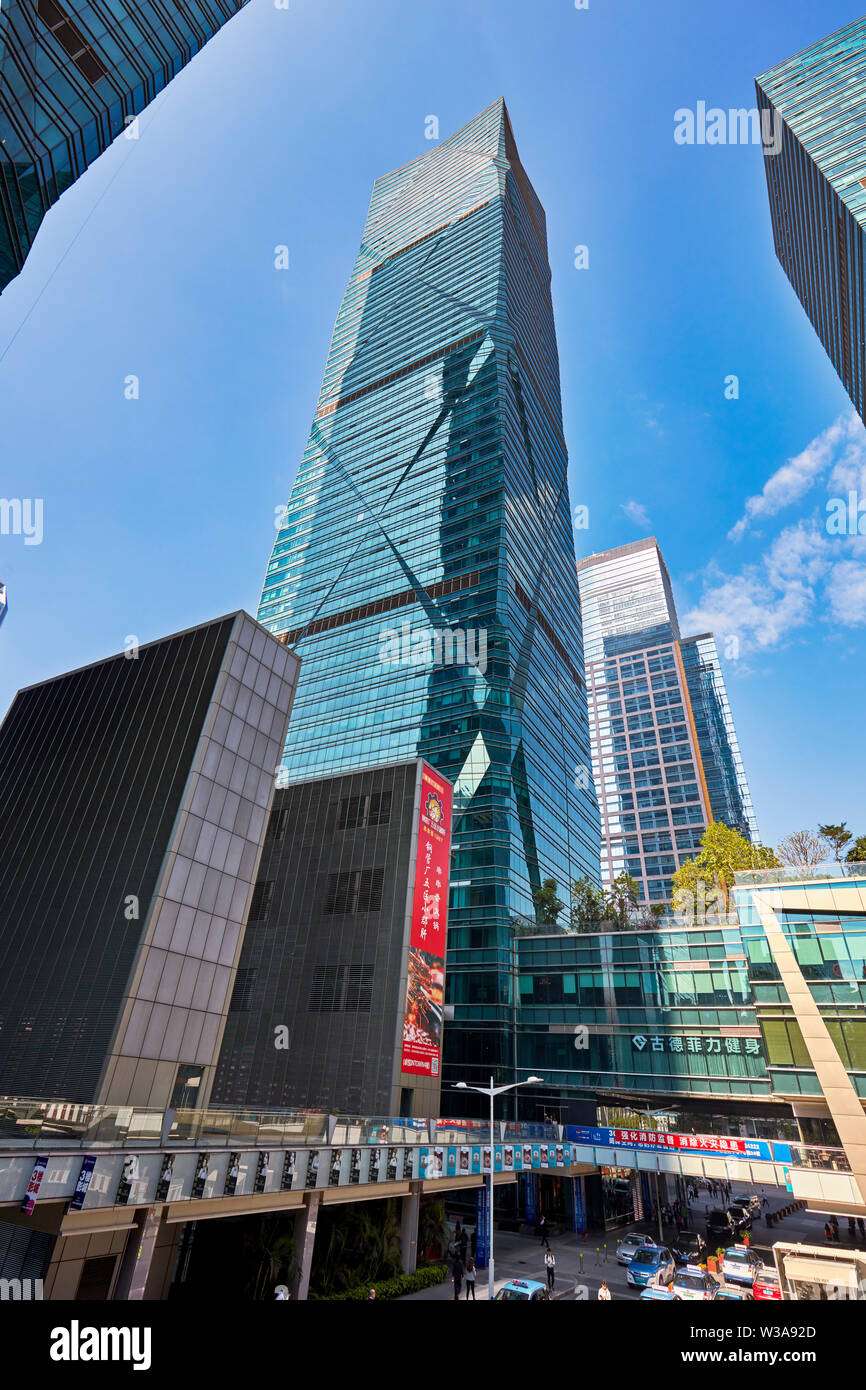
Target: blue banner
{"x":529,"y":1190}
{"x":481,"y":1233}
{"x":657,"y":1141}
{"x":83,"y":1184}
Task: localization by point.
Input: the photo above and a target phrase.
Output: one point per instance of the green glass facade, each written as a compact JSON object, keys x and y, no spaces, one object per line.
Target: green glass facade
{"x":666,"y":1012}
{"x":830,"y":949}
{"x":72,"y":74}
{"x":431,"y":509}
{"x":813,"y":108}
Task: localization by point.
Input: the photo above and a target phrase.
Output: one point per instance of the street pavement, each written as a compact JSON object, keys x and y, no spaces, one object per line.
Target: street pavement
{"x":581,"y":1265}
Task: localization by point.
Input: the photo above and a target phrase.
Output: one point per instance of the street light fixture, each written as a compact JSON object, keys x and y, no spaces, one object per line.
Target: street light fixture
{"x":492,"y":1091}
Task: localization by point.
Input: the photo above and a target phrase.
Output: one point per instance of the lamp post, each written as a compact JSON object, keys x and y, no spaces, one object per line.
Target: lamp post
{"x":493,"y":1091}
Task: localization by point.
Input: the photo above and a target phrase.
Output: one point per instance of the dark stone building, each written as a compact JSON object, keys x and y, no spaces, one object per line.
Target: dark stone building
{"x":326,"y":953}
{"x":134,"y":794}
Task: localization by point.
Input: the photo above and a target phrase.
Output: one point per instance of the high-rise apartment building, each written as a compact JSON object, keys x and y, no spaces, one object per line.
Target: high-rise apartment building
{"x":665,"y":757}
{"x":73,"y":74}
{"x":813,"y":108}
{"x":425,"y":567}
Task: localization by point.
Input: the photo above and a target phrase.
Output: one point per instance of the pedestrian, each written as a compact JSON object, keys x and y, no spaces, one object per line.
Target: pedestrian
{"x":550,"y":1263}
{"x":542,"y":1229}
{"x":764,"y":1202}
{"x":834,"y":1222}
{"x":470,"y":1279}
{"x":457,"y":1272}
{"x":604,"y":1291}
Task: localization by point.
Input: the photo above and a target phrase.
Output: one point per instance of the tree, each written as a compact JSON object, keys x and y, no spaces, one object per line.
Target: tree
{"x":587,"y":904}
{"x":838,"y":836}
{"x":857,"y":852}
{"x":547,"y":905}
{"x":621,"y":899}
{"x":803,"y":849}
{"x":722,"y":853}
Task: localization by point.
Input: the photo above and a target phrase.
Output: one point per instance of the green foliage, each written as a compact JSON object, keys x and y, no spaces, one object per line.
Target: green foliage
{"x":723,"y":852}
{"x":268,"y":1254}
{"x":356,"y":1244}
{"x":587,"y":904}
{"x":433,"y":1229}
{"x":857,"y":852}
{"x":547,"y":905}
{"x":389,"y":1288}
{"x":621,"y":899}
{"x":837,"y":835}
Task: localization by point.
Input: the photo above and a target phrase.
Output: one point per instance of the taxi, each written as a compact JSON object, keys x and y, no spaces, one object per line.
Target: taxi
{"x":741,"y":1265}
{"x":694,"y":1283}
{"x":523,"y":1291}
{"x":767,"y":1284}
{"x":651,"y":1264}
{"x":732,"y":1294}
{"x":654,"y":1293}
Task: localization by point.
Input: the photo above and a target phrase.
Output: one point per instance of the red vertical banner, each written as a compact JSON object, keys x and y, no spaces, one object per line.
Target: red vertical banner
{"x":425,"y":1001}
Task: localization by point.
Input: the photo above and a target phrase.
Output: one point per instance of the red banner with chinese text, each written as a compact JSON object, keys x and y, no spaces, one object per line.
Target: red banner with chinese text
{"x":422,"y":1022}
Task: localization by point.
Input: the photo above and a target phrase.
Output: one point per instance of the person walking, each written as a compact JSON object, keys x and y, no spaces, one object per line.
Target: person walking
{"x":457,"y":1272}
{"x":470,"y":1279}
{"x":604,"y":1291}
{"x":550,"y":1263}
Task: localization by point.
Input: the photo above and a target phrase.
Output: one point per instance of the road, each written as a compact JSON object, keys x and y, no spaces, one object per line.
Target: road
{"x":582,"y":1265}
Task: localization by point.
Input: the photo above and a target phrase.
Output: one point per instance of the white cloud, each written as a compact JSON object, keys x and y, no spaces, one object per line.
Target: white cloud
{"x":798,"y":475}
{"x":803,"y":575}
{"x":636,"y":512}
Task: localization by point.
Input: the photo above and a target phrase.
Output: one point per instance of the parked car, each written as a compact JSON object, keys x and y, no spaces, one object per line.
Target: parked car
{"x":656,"y":1293}
{"x":720,"y":1227}
{"x":694,"y":1283}
{"x":689,"y":1248}
{"x":767,"y":1284}
{"x":741,"y":1265}
{"x":523,"y":1291}
{"x":742,"y":1216}
{"x":651,"y":1264}
{"x":627,"y":1246}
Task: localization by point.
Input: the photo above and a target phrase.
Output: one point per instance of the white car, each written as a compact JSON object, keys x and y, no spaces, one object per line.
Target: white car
{"x":627,"y":1246}
{"x":741,"y":1265}
{"x":693,"y":1283}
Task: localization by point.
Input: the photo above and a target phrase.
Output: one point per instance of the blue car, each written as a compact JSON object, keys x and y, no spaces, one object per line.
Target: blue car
{"x":653,"y":1294}
{"x":523,"y":1291}
{"x":651,"y":1264}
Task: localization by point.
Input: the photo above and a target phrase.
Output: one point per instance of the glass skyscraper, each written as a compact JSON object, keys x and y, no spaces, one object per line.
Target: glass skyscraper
{"x":814,"y":106}
{"x":72,"y":74}
{"x":665,"y":756}
{"x":425,"y":566}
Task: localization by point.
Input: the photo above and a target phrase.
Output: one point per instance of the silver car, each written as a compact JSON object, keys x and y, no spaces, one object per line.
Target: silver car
{"x":627,"y":1246}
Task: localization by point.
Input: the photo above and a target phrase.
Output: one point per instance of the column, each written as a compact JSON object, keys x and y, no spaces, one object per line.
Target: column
{"x":137,"y":1256}
{"x":305,"y":1239}
{"x":410,"y":1210}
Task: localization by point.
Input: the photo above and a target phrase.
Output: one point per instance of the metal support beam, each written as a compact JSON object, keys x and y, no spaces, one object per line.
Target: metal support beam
{"x":305,"y":1239}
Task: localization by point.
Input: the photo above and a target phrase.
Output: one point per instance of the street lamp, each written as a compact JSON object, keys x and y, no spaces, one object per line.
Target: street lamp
{"x":492,"y":1091}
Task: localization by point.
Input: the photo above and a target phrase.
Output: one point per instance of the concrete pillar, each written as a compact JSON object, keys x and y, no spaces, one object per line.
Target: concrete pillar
{"x":305,"y":1239}
{"x":138,"y":1255}
{"x":410,"y":1209}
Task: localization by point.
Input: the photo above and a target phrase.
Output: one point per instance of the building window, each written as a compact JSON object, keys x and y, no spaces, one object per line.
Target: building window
{"x":342,"y":989}
{"x":278,"y":822}
{"x":260,"y":905}
{"x":359,"y":812}
{"x":359,"y":890}
{"x":244,"y":981}
{"x":71,"y":40}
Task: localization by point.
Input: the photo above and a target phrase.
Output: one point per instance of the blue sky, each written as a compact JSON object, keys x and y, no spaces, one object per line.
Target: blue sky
{"x":159,"y":512}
